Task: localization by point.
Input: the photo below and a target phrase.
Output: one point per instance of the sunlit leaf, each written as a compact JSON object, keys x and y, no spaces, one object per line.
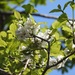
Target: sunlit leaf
{"x":3,"y":34}
{"x":66,"y":28}
{"x":55,"y":48}
{"x":13,"y":28}
{"x":17,"y":15}
{"x":2,"y":43}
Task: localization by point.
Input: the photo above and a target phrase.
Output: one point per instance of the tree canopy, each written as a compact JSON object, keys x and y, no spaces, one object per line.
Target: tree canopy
{"x":27,"y":48}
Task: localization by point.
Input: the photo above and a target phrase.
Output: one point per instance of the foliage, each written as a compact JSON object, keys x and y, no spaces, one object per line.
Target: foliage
{"x":28,"y":49}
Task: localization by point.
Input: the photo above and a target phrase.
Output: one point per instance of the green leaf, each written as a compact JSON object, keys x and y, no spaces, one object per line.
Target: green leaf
{"x":37,"y":2}
{"x":55,"y":48}
{"x":3,"y":34}
{"x":43,"y":53}
{"x":34,"y":73}
{"x":59,"y":6}
{"x":12,"y":28}
{"x":29,"y":8}
{"x":72,"y":5}
{"x":68,"y":44}
{"x":17,"y":15}
{"x":62,"y":17}
{"x":66,"y":28}
{"x":55,"y":10}
{"x":57,"y":36}
{"x":55,"y":24}
{"x":66,"y":4}
{"x":2,"y":43}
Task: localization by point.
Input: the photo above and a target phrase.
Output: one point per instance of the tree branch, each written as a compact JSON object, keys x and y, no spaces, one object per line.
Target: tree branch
{"x":2,"y":72}
{"x":48,"y":67}
{"x":62,"y":60}
{"x":34,"y":14}
{"x":24,"y":67}
{"x":48,"y":51}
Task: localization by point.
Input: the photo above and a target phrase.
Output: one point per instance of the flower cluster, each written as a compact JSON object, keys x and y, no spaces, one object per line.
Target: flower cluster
{"x":54,"y":60}
{"x":26,"y":29}
{"x":31,"y":29}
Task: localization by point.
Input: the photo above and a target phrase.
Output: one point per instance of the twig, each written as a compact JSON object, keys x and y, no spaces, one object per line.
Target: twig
{"x":2,"y":72}
{"x":48,"y":51}
{"x":39,"y":38}
{"x":24,"y":67}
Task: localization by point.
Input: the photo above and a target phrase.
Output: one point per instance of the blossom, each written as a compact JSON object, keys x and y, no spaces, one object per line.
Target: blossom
{"x":62,"y":64}
{"x":66,"y":51}
{"x":69,"y":24}
{"x":27,"y":29}
{"x":23,"y":47}
{"x":54,"y":60}
{"x":42,"y":35}
{"x":73,"y":46}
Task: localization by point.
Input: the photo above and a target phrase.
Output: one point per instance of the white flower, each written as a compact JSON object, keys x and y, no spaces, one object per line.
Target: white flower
{"x":20,"y":33}
{"x":62,"y":64}
{"x":20,"y":22}
{"x":36,"y":29}
{"x":52,"y":61}
{"x":40,"y":34}
{"x":66,"y":51}
{"x":69,"y":24}
{"x":28,"y":28}
{"x":73,"y":46}
{"x":23,"y":47}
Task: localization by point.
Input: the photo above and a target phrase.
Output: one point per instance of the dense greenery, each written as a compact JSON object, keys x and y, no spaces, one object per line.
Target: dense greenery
{"x":26,"y":48}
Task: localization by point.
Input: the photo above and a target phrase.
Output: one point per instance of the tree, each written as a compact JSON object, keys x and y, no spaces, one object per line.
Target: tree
{"x":26,"y":48}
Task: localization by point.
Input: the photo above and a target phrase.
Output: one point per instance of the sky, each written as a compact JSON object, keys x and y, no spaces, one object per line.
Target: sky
{"x":45,"y":10}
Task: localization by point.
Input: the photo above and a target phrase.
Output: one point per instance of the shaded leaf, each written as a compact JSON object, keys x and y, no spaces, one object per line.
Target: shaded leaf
{"x":72,"y":5}
{"x":36,"y":2}
{"x":59,"y":6}
{"x":66,"y":4}
{"x":55,"y":10}
{"x":29,"y":8}
{"x":62,"y":17}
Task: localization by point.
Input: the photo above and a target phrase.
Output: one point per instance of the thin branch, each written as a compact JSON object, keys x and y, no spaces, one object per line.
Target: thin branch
{"x":2,"y":72}
{"x":73,"y":52}
{"x":39,"y":38}
{"x":48,"y":67}
{"x":34,"y":14}
{"x":48,"y":51}
{"x":24,"y":67}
